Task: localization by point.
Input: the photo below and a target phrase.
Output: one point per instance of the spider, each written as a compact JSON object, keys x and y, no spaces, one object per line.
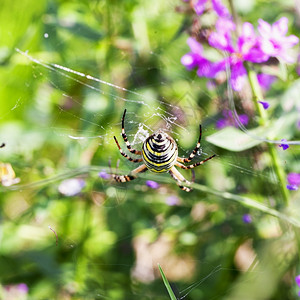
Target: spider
{"x":160,"y":155}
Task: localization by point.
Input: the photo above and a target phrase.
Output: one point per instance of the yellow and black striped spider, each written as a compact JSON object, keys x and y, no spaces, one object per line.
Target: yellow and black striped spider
{"x":160,"y":155}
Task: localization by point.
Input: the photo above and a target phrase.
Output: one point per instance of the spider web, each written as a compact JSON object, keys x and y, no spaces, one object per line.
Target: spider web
{"x":147,"y":110}
{"x":161,"y":114}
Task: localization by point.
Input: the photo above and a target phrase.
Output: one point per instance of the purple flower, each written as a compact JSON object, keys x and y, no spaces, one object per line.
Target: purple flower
{"x":291,"y":187}
{"x":195,"y":59}
{"x":250,"y":47}
{"x":284,"y":146}
{"x":172,"y":200}
{"x":221,"y":38}
{"x":222,"y":123}
{"x":220,"y":9}
{"x":265,"y":80}
{"x":229,"y":120}
{"x":71,"y":187}
{"x":199,"y":7}
{"x":264,"y":104}
{"x":297,"y":279}
{"x":293,"y":179}
{"x":104,"y":175}
{"x":247,"y":218}
{"x":16,"y":292}
{"x":274,"y":41}
{"x":217,"y":5}
{"x":152,"y":184}
{"x":22,"y":288}
{"x":247,"y":49}
{"x":244,"y":119}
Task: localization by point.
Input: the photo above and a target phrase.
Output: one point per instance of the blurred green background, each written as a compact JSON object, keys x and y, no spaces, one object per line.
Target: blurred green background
{"x":58,"y":125}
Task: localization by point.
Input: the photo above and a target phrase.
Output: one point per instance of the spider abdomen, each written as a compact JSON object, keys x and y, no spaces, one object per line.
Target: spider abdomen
{"x":159,"y":152}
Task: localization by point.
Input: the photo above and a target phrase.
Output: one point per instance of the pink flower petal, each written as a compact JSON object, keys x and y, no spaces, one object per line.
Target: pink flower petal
{"x":280,"y":27}
{"x":220,"y":41}
{"x":264,"y":28}
{"x":291,"y":41}
{"x":238,"y":76}
{"x":268,"y":47}
{"x":265,"y":80}
{"x":224,"y":25}
{"x":199,"y":7}
{"x":297,"y":279}
{"x":188,"y":61}
{"x":206,"y":69}
{"x":248,"y":30}
{"x":220,"y":9}
{"x":293,"y":178}
{"x":194,"y":45}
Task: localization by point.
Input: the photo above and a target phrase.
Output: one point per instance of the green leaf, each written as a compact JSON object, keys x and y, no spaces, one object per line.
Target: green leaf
{"x":167,"y":284}
{"x":84,"y":31}
{"x":232,"y":139}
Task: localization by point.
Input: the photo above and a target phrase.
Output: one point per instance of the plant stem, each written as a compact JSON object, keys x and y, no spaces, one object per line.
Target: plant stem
{"x":263,"y":121}
{"x":258,"y":96}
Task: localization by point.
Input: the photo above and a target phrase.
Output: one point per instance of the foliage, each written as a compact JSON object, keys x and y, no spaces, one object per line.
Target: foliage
{"x":68,"y":231}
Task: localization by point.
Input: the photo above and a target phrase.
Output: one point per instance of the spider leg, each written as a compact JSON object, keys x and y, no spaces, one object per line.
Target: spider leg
{"x":194,"y":165}
{"x":124,"y":178}
{"x":124,"y":136}
{"x":192,"y":155}
{"x":175,"y":174}
{"x":125,"y":155}
{"x":2,"y":145}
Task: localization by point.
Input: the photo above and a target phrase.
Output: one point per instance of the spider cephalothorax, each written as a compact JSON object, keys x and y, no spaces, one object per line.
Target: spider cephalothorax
{"x":159,"y":154}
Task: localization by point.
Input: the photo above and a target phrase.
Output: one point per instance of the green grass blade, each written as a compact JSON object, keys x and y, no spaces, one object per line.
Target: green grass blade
{"x":248,"y":202}
{"x":243,"y":200}
{"x":167,"y":284}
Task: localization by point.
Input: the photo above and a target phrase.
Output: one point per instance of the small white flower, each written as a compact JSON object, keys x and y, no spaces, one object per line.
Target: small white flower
{"x":71,"y":187}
